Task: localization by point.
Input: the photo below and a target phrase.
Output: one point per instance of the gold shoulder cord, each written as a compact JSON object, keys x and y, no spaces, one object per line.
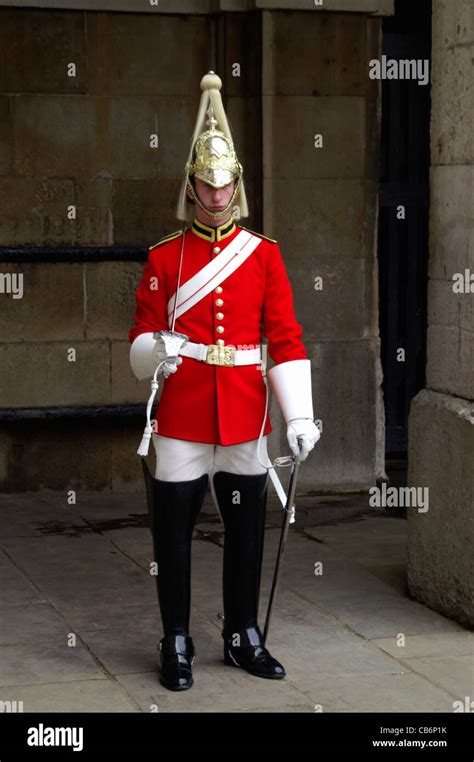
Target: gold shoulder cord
{"x":260,"y":235}
{"x":166,"y":238}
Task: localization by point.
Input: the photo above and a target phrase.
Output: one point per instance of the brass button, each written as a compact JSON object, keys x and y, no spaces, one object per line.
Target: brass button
{"x":220,"y":342}
{"x":220,"y":329}
{"x":217,"y":249}
{"x":218,"y":290}
{"x":219,"y":302}
{"x":220,"y":316}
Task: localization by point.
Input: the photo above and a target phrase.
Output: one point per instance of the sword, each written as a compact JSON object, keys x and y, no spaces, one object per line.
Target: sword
{"x":288,"y":515}
{"x":179,"y":279}
{"x":173,"y":341}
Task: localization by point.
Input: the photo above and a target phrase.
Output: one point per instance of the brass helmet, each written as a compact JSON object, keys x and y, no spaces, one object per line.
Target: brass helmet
{"x":212,"y":156}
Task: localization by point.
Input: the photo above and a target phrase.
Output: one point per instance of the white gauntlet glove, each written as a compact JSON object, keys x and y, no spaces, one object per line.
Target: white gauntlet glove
{"x":146,"y":353}
{"x":171,"y":367}
{"x":291,"y":382}
{"x":304,"y":430}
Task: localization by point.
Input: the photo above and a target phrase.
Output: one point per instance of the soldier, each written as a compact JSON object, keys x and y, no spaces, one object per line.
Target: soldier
{"x":221,"y":286}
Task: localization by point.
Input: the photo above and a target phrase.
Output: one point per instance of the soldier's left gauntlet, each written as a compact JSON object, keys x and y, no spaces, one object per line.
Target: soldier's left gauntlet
{"x":146,"y":353}
{"x":291,"y":382}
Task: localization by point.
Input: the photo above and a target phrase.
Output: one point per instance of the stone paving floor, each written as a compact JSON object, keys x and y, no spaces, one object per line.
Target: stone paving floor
{"x":79,"y":621}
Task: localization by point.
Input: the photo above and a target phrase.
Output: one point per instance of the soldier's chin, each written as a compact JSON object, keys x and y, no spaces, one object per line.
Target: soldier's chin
{"x":211,"y":211}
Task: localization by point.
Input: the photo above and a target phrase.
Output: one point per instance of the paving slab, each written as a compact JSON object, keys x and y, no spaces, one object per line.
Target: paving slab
{"x":439,"y":644}
{"x":33,"y":515}
{"x":453,"y":673}
{"x":31,"y":622}
{"x":111,"y":614}
{"x":15,"y":587}
{"x":330,"y":652}
{"x":77,"y":696}
{"x":379,"y":617}
{"x":378,"y":693}
{"x":47,"y":663}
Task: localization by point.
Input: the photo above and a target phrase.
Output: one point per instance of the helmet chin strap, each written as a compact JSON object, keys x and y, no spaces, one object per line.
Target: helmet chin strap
{"x":209,"y":212}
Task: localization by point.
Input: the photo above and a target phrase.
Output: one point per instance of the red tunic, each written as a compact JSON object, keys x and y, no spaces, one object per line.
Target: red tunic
{"x":208,"y":403}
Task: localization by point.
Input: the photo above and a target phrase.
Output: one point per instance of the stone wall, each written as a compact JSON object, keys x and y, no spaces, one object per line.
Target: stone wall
{"x":441,"y":424}
{"x":320,"y":203}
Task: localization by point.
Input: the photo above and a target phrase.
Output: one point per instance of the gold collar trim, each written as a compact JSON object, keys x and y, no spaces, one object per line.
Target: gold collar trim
{"x":213,"y":234}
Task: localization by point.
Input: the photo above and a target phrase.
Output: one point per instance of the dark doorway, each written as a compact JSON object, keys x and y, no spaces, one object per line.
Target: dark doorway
{"x":403,"y":243}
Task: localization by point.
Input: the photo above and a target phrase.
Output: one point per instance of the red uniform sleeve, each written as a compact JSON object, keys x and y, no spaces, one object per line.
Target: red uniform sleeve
{"x":151,"y":299}
{"x":280,"y":326}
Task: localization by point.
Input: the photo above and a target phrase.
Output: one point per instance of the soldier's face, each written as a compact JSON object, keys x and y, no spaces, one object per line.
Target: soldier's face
{"x":215,"y":199}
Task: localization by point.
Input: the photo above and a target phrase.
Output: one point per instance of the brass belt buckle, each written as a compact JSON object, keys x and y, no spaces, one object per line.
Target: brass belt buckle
{"x":217,"y":354}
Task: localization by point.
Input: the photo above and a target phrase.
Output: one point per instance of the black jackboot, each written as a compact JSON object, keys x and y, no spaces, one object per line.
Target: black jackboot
{"x":242,"y":503}
{"x":173,"y":508}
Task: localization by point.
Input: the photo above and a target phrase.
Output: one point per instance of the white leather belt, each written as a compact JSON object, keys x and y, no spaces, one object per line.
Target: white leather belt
{"x":217,"y":354}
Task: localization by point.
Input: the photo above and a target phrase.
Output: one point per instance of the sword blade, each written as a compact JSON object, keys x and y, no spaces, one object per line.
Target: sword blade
{"x":282,"y":543}
{"x":179,"y":279}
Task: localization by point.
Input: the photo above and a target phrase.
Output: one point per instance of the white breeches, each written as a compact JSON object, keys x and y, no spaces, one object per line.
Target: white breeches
{"x":180,"y":460}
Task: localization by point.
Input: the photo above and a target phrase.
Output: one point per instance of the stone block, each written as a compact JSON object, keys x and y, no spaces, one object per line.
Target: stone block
{"x":345,"y":388}
{"x":124,"y":130}
{"x":40,"y":375}
{"x":451,"y":221}
{"x":144,"y":210}
{"x":110,"y":289}
{"x":35,"y":211}
{"x":60,"y":135}
{"x":332,"y":224}
{"x":337,"y":312}
{"x":453,"y":23}
{"x":37,"y":455}
{"x":106,"y":137}
{"x":242,"y":46}
{"x":448,"y":309}
{"x":93,"y":225}
{"x":318,"y":54}
{"x":440,"y":560}
{"x":51,"y":308}
{"x":6,"y":135}
{"x":291,"y":125}
{"x":450,"y":360}
{"x":169,"y":61}
{"x":42,"y":45}
{"x":452,"y":106}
